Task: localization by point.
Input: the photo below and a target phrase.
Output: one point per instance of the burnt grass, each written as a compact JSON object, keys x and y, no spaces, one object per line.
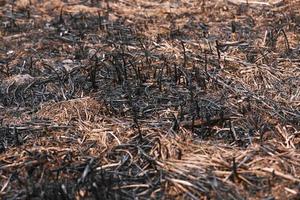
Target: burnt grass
{"x":149,"y":99}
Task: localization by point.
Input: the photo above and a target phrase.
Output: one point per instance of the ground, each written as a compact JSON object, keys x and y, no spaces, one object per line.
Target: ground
{"x":138,"y":99}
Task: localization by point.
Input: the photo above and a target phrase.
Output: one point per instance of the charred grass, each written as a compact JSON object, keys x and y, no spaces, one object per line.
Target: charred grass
{"x":149,"y":99}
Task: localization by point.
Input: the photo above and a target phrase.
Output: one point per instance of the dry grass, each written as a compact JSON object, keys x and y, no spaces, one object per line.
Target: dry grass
{"x":147,"y":99}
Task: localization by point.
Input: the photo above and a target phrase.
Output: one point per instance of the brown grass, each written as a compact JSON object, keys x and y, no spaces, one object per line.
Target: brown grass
{"x":149,"y":99}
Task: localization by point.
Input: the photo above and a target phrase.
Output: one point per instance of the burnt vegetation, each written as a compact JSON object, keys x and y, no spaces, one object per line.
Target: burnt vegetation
{"x":149,"y":99}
